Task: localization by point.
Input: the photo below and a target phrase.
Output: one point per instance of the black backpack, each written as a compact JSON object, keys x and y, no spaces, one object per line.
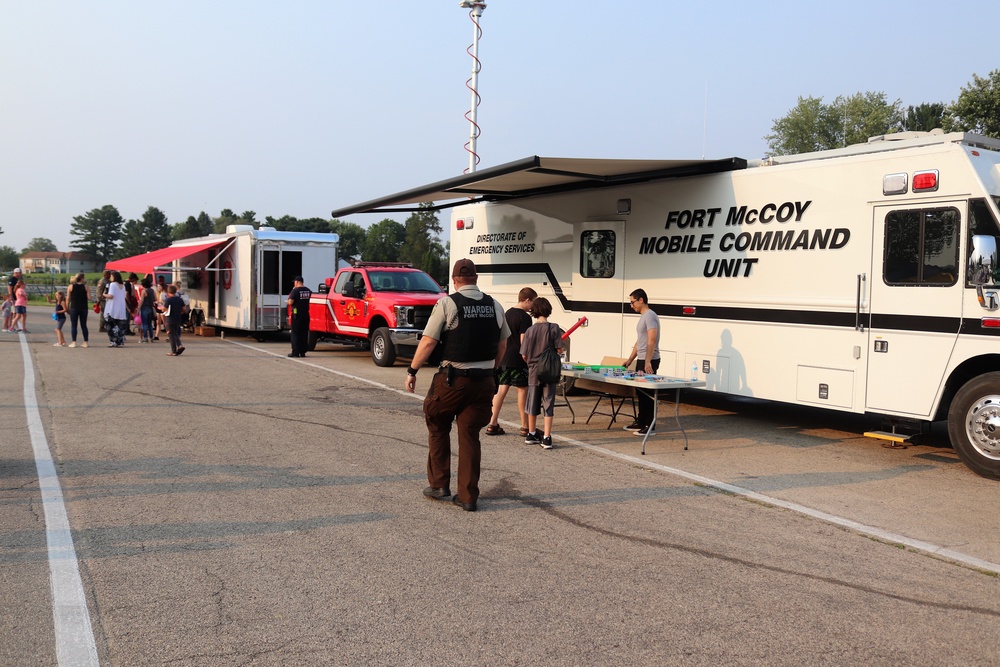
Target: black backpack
{"x":549,"y":366}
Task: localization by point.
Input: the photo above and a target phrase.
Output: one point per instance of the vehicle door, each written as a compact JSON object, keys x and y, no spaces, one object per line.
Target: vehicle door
{"x":599,"y":286}
{"x":268,"y":305}
{"x":350,"y":309}
{"x":916,"y":304}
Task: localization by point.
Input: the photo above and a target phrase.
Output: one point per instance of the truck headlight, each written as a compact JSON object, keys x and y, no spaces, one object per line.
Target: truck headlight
{"x":404,"y":316}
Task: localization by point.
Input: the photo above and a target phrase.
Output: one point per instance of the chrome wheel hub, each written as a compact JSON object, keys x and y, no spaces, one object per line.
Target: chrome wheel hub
{"x":982,"y":426}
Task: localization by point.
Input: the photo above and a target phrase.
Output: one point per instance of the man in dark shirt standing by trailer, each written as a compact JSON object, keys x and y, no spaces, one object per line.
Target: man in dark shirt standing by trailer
{"x":298,"y":302}
{"x":173,"y":316}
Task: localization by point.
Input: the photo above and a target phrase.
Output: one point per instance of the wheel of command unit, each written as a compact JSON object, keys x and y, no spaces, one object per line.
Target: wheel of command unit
{"x":311,"y":342}
{"x":974,"y":424}
{"x":383,"y":351}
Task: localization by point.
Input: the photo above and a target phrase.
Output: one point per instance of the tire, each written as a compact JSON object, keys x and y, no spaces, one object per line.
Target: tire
{"x":312,"y":340}
{"x":974,"y":424}
{"x":382,"y":350}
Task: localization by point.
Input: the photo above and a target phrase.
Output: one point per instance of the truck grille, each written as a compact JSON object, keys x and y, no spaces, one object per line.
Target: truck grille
{"x":420,"y":315}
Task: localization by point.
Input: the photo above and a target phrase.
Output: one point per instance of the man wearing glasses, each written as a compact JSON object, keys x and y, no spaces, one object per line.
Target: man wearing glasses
{"x":646,"y":352}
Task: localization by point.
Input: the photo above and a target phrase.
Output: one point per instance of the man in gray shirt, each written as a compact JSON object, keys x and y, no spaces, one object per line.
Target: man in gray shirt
{"x":646,"y":353}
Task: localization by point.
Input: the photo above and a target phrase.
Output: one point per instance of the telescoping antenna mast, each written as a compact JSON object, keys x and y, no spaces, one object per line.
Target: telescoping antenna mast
{"x":475,"y":12}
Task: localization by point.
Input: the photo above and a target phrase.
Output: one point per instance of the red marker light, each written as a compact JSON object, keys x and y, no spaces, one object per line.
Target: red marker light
{"x":460,"y":224}
{"x":925,"y":180}
{"x":991,"y":322}
{"x":688,"y":310}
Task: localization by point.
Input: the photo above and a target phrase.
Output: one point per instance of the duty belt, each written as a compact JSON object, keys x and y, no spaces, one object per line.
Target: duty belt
{"x":474,"y":373}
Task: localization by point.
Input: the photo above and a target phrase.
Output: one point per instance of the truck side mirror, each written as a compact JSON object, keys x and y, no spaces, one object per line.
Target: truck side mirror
{"x":982,"y":269}
{"x":349,"y":290}
{"x":322,"y":288}
{"x":983,"y":260}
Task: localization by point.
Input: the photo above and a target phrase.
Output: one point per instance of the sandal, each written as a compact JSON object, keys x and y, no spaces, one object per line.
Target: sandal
{"x":524,"y":432}
{"x":495,"y":429}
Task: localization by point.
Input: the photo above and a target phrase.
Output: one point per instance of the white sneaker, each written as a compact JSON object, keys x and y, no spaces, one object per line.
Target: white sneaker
{"x":84,"y":344}
{"x":57,"y":345}
{"x":73,"y":344}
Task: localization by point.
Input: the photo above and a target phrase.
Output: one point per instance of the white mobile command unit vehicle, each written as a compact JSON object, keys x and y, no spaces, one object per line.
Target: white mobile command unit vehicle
{"x":241,"y":279}
{"x":861,"y":279}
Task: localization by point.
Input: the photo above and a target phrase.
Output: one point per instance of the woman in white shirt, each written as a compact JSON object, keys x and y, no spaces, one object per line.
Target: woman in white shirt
{"x":116,"y":311}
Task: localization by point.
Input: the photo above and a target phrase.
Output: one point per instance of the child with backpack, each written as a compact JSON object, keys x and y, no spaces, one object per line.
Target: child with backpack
{"x":541,"y":336}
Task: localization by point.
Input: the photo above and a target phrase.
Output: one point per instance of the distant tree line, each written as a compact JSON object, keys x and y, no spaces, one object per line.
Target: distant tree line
{"x":103,"y":233}
{"x":812,"y":125}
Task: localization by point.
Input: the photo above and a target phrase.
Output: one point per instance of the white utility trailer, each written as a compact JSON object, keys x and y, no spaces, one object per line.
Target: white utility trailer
{"x":241,"y":279}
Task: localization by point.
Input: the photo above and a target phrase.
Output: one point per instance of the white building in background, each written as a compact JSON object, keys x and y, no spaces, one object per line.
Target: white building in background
{"x":58,"y":262}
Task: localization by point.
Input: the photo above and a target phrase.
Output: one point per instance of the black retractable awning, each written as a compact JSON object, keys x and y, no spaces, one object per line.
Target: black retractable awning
{"x":536,"y":176}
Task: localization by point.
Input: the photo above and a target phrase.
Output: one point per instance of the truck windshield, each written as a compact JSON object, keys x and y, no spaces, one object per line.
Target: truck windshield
{"x":403,"y":281}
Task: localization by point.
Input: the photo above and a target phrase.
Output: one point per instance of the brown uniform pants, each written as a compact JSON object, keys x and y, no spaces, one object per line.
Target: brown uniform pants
{"x":468,"y":402}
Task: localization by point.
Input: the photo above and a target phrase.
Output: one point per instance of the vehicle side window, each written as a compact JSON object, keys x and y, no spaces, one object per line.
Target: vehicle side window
{"x":597,"y":254}
{"x":921,"y":247}
{"x":981,"y":223}
{"x":359,"y":284}
{"x":341,"y":281}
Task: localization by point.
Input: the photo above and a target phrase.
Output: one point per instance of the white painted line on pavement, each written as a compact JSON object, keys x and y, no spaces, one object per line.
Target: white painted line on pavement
{"x":864,"y":529}
{"x":324,"y":368}
{"x":74,"y":634}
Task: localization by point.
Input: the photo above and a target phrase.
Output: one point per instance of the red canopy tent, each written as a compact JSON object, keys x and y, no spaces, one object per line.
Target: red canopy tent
{"x":148,"y":262}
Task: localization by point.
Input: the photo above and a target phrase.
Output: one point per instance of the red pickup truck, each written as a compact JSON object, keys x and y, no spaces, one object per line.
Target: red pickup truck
{"x":380,"y":306}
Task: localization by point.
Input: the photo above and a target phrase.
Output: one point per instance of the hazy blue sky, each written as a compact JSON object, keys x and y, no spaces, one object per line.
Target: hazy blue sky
{"x":300,"y":107}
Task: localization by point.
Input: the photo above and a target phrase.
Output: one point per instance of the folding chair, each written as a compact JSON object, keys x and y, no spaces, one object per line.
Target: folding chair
{"x":615,"y":395}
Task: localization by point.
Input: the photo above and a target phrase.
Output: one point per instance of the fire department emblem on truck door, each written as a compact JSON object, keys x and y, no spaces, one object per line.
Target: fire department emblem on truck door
{"x":352,"y":311}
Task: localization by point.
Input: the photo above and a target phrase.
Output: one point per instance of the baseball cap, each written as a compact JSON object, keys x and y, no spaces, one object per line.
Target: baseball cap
{"x":17,"y":269}
{"x":464,"y":268}
{"x":298,"y":279}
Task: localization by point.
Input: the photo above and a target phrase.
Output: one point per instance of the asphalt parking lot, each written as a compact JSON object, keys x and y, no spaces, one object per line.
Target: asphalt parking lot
{"x":236,"y":507}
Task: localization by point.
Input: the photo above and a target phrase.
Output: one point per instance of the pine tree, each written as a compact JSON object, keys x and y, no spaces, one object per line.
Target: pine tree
{"x":97,"y":233}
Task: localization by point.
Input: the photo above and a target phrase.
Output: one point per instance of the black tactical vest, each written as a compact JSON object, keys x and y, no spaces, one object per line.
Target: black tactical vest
{"x":477,"y":335}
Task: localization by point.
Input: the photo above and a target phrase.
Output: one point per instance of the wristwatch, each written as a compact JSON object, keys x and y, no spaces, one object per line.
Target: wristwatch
{"x":411,"y":371}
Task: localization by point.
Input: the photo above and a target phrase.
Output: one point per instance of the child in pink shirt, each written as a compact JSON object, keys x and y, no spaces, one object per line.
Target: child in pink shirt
{"x":20,"y":307}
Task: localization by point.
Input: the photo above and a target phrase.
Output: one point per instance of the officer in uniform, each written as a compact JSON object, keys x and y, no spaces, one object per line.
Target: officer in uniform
{"x":473,"y":332}
{"x":298,"y":300}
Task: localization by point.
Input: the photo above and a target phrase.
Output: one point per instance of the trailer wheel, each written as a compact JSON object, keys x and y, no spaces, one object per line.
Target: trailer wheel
{"x":311,"y":342}
{"x":383,"y":351}
{"x":974,"y":424}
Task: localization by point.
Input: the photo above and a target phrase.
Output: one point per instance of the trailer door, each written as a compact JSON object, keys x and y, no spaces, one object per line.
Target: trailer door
{"x":598,"y":287}
{"x":278,"y":268}
{"x":916,"y":305}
